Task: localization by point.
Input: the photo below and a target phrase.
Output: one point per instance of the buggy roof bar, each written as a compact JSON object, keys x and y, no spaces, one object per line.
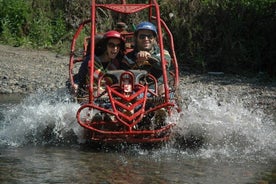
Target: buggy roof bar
{"x":127,"y":8}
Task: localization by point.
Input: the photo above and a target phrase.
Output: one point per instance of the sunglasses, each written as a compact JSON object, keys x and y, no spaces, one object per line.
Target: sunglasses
{"x":143,"y":36}
{"x":113,"y":45}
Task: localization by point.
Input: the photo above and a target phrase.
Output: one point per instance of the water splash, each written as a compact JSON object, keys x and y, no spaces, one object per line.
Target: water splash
{"x":218,"y":122}
{"x":41,"y":118}
{"x":225,"y":126}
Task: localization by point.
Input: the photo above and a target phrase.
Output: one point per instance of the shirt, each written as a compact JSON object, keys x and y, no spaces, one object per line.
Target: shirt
{"x":129,"y":61}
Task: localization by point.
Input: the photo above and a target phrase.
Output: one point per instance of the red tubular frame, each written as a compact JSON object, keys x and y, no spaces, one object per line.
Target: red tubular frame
{"x":127,"y":123}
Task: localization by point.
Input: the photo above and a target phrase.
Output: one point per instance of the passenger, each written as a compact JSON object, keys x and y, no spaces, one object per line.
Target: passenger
{"x":121,"y":27}
{"x":108,"y":54}
{"x":145,"y":48}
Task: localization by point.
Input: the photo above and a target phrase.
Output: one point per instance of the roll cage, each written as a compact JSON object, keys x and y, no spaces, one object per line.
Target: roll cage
{"x":127,"y":110}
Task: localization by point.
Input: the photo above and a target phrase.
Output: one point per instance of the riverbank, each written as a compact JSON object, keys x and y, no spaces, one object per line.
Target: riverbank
{"x":24,"y":71}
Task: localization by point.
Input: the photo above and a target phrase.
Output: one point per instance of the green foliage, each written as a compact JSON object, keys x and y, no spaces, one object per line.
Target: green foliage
{"x":59,"y":27}
{"x":13,"y":18}
{"x":39,"y":28}
{"x":7,"y":36}
{"x":233,"y":36}
{"x":41,"y":31}
{"x":224,"y":35}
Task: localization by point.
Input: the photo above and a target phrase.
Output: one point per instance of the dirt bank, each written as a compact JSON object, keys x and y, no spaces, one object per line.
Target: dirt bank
{"x":24,"y":71}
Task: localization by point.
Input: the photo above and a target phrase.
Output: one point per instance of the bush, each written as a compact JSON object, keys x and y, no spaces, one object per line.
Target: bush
{"x":232,"y":36}
{"x":13,"y":19}
{"x":37,"y":28}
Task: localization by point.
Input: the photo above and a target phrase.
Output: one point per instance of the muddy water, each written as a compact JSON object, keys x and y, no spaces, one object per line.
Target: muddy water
{"x":40,"y":142}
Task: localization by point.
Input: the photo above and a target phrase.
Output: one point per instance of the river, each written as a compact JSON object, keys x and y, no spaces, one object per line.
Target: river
{"x":41,"y":142}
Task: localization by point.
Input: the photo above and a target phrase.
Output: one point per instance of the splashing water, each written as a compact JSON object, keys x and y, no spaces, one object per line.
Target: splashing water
{"x":41,"y":118}
{"x":225,"y":126}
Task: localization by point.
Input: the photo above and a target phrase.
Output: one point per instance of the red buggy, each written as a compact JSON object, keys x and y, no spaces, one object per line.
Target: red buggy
{"x":130,"y":109}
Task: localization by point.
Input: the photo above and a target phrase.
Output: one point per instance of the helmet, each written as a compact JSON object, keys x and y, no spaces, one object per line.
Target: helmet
{"x":147,"y":26}
{"x":113,"y":34}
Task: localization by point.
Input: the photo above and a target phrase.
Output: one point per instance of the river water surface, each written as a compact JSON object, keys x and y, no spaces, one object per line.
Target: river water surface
{"x":41,"y":142}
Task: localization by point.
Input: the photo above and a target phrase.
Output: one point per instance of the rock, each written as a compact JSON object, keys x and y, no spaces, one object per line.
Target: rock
{"x":29,"y":70}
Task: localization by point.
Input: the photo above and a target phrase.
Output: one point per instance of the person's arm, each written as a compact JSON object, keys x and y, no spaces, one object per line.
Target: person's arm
{"x":143,"y":56}
{"x":157,"y":56}
{"x":83,"y":71}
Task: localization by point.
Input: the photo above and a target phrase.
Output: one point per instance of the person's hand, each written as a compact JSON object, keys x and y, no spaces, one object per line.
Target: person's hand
{"x":75,"y":88}
{"x":142,"y":56}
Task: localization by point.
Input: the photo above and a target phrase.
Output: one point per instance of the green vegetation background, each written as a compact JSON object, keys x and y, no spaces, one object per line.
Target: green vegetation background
{"x":231,"y":36}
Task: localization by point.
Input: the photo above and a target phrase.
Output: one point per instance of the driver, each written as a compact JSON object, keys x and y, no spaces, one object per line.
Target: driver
{"x":145,"y":48}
